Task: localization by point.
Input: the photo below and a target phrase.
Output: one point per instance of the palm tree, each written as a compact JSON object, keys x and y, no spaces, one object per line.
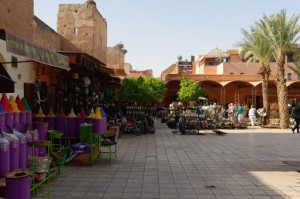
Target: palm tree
{"x":281,"y":33}
{"x":256,"y":48}
{"x":296,"y":68}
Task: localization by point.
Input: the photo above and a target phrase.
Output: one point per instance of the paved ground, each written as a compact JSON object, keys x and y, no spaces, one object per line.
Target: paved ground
{"x":241,"y":164}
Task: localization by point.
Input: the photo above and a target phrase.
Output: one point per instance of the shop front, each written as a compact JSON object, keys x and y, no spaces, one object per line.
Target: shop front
{"x":37,"y":71}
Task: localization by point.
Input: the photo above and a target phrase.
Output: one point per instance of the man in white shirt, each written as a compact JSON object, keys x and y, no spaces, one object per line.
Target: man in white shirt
{"x":252,"y":115}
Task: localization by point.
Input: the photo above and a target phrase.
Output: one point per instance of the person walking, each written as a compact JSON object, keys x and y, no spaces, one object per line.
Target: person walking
{"x":296,"y":115}
{"x":252,"y":115}
{"x":230,"y":112}
{"x":240,"y":114}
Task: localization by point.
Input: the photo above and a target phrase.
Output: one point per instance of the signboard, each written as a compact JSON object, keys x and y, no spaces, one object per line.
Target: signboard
{"x":19,"y":46}
{"x":185,"y":70}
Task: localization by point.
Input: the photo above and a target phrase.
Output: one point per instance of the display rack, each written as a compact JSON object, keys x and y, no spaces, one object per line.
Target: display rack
{"x":41,"y":165}
{"x":87,"y":136}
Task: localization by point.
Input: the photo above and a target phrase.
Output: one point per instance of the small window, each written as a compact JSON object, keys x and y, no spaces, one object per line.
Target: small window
{"x":231,"y":73}
{"x":242,"y":73}
{"x":289,"y":76}
{"x":75,"y":31}
{"x":14,"y":61}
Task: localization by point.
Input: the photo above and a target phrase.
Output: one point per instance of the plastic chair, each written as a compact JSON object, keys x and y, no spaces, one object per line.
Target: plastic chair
{"x":40,"y":165}
{"x":107,"y":147}
{"x":56,"y":148}
{"x":87,"y":136}
{"x":55,"y":138}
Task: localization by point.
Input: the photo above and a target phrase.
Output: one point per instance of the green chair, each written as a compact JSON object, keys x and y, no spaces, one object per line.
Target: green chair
{"x":87,"y":136}
{"x":107,"y":146}
{"x":57,"y":150}
{"x":55,"y":138}
{"x":40,"y":167}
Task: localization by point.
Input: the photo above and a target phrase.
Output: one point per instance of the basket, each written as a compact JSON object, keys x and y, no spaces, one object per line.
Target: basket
{"x":59,"y":158}
{"x":39,"y":164}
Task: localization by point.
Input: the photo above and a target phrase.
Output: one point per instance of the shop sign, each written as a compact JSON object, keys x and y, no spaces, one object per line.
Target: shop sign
{"x":19,"y":46}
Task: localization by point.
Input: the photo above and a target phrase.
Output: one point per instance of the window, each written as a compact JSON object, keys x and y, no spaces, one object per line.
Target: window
{"x":14,"y":62}
{"x":231,"y":73}
{"x":210,"y":63}
{"x":75,"y":31}
{"x":289,"y":76}
{"x":242,"y":73}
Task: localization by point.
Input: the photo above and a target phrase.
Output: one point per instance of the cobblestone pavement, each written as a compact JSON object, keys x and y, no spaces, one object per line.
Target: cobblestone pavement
{"x":250,"y":163}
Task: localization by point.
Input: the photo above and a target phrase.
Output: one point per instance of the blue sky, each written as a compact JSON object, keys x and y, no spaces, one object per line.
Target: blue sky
{"x":156,"y":32}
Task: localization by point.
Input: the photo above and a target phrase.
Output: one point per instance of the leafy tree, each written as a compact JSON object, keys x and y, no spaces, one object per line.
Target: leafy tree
{"x":281,"y":33}
{"x":256,"y":48}
{"x":179,"y":58}
{"x":296,"y":68}
{"x":155,"y":89}
{"x":142,"y":89}
{"x":190,"y":90}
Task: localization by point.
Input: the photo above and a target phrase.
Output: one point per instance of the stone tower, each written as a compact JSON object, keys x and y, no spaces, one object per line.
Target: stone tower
{"x":84,"y":27}
{"x":116,"y":56}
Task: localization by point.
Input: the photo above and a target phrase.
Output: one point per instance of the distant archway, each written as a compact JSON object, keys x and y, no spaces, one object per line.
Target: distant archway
{"x":213,"y":89}
{"x":238,"y":91}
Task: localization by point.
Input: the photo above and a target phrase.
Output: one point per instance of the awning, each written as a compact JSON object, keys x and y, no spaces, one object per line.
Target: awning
{"x":120,"y":72}
{"x":86,"y":64}
{"x":22,"y":47}
{"x":7,"y":85}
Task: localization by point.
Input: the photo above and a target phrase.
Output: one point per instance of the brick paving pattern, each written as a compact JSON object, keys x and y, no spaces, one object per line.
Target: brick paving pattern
{"x":243,"y":164}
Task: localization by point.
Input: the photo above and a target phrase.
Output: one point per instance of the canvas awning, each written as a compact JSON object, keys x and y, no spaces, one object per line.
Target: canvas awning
{"x":7,"y":85}
{"x":120,"y":72}
{"x":22,"y":47}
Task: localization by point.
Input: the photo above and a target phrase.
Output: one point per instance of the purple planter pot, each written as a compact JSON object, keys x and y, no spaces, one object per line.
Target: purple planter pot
{"x":2,"y":120}
{"x":16,"y":118}
{"x":28,"y":118}
{"x":14,"y":156}
{"x":5,"y":163}
{"x":4,"y":158}
{"x":28,"y":149}
{"x":42,"y":128}
{"x":103,"y":124}
{"x":80,"y":120}
{"x":71,"y":127}
{"x":51,"y":122}
{"x":21,"y":128}
{"x":35,"y":137}
{"x":23,"y":118}
{"x":39,"y":119}
{"x":89,"y":120}
{"x":18,"y":185}
{"x":23,"y":155}
{"x":99,"y":125}
{"x":60,"y":124}
{"x":9,"y":119}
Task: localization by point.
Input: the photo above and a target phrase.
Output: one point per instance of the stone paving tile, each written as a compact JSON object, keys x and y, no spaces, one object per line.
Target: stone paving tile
{"x":75,"y":194}
{"x":93,"y":194}
{"x":112,"y":196}
{"x":154,"y":195}
{"x":240,"y":165}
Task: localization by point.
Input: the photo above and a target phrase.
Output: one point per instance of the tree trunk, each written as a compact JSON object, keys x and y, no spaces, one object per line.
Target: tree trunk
{"x":282,"y":94}
{"x":265,"y":95}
